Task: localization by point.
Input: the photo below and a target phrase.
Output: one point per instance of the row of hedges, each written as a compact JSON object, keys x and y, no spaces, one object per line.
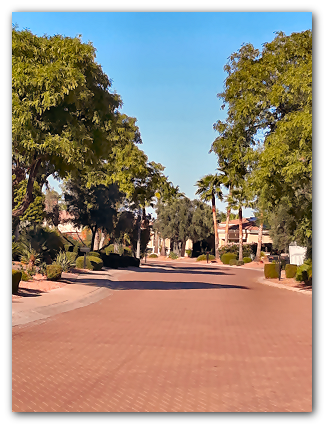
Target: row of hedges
{"x":301,"y":273}
{"x":53,"y":272}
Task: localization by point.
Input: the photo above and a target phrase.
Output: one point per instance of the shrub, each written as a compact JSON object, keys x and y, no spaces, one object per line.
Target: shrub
{"x":114,"y":261}
{"x":53,"y":272}
{"x":153,"y":256}
{"x":92,"y":263}
{"x":44,"y":241}
{"x":203,"y":257}
{"x":16,"y":278}
{"x":94,"y":254}
{"x":25,"y":276}
{"x":240,"y":263}
{"x":271,"y":271}
{"x":189,"y":252}
{"x":173,"y":256}
{"x":232,"y":262}
{"x":225,"y":258}
{"x":234,"y":249}
{"x":63,"y":260}
{"x":304,"y":272}
{"x":128,"y":251}
{"x":68,"y":247}
{"x":109,"y":249}
{"x":247,"y":260}
{"x":291,"y":270}
{"x":72,"y":258}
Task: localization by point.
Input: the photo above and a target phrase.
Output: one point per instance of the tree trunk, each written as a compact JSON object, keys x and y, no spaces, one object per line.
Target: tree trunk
{"x":94,"y":231}
{"x":96,"y":241}
{"x":227,"y":226}
{"x":102,"y":239}
{"x":139,"y":235}
{"x":259,"y":241}
{"x":183,"y":244}
{"x":28,"y":198}
{"x":240,"y":235}
{"x":215,"y":224}
{"x":163,"y":248}
{"x":156,"y":243}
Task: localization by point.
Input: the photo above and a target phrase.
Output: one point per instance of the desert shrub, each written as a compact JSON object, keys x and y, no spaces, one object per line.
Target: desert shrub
{"x":234,"y":249}
{"x":247,"y":260}
{"x":203,"y":257}
{"x":225,"y":258}
{"x":153,"y":256}
{"x":232,"y":262}
{"x":53,"y":271}
{"x":63,"y":260}
{"x":109,"y":249}
{"x":16,"y":277}
{"x":271,"y":271}
{"x":189,"y":252}
{"x":291,"y":270}
{"x":173,"y":256}
{"x":239,"y":263}
{"x":304,"y":272}
{"x":42,"y":269}
{"x":94,"y":254}
{"x":72,"y":258}
{"x":25,"y":276}
{"x":92,"y":263}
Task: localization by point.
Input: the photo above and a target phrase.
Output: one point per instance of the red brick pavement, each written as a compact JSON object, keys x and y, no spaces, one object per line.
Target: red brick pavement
{"x":224,"y":344}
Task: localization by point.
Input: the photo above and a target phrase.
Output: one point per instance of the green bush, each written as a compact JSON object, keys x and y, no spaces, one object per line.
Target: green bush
{"x":225,"y":258}
{"x":291,"y":270}
{"x":109,"y":249}
{"x":128,"y":251}
{"x":25,"y":276}
{"x":94,"y":254}
{"x":271,"y":271}
{"x":239,"y":263}
{"x":203,"y":257}
{"x":247,"y":260}
{"x":153,"y":256}
{"x":16,"y":277}
{"x":173,"y":256}
{"x":63,"y":260}
{"x":72,"y":258}
{"x":92,"y":263}
{"x":304,"y":272}
{"x":234,"y":249}
{"x":189,"y":252}
{"x":53,"y":272}
{"x":232,"y":262}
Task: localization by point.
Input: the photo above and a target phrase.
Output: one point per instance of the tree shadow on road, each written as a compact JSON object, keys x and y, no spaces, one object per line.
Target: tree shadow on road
{"x":28,"y":292}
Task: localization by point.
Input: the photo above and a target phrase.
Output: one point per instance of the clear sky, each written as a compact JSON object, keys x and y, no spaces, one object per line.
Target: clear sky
{"x":168,"y":69}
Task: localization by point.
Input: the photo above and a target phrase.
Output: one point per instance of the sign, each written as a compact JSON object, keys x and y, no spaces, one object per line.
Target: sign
{"x":84,"y":249}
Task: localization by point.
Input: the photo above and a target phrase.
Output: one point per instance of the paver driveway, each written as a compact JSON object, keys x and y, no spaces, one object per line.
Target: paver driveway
{"x":177,"y":339}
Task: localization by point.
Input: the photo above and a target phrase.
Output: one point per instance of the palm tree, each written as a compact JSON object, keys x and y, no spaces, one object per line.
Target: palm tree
{"x":208,"y":188}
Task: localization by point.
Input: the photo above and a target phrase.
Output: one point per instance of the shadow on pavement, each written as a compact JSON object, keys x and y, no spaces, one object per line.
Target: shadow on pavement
{"x":28,"y":292}
{"x":188,"y":270}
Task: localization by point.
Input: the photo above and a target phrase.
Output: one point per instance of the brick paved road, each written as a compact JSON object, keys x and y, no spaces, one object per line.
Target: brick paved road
{"x":191,"y":339}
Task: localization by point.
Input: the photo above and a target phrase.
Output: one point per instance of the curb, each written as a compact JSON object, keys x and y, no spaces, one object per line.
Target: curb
{"x":46,"y":311}
{"x":278,"y":285}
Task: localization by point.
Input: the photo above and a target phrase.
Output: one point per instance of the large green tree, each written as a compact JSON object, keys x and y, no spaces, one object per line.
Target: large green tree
{"x":64,"y":113}
{"x":268,"y":95}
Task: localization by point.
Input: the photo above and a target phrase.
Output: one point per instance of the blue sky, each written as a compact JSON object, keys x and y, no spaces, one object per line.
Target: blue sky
{"x":168,"y":69}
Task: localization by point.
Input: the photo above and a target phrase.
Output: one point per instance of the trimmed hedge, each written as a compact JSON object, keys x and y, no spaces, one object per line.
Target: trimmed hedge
{"x":304,"y":273}
{"x":153,"y":256}
{"x":92,"y":263}
{"x":109,"y":249}
{"x":114,"y":261}
{"x":16,"y":277}
{"x":247,"y":260}
{"x":53,"y":272}
{"x":232,"y":262}
{"x":271,"y":271}
{"x":291,"y":270}
{"x":173,"y":256}
{"x":240,"y":263}
{"x":93,"y":254}
{"x":225,"y":258}
{"x":203,"y":257}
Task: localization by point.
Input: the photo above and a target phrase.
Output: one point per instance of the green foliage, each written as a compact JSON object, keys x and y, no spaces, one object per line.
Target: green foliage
{"x":25,"y":276}
{"x":16,"y":277}
{"x":173,"y":256}
{"x":71,"y":256}
{"x":63,"y":260}
{"x":127,"y":251}
{"x":92,"y":263}
{"x":35,"y":213}
{"x":42,"y":269}
{"x":53,"y":272}
{"x":203,"y":257}
{"x":189,"y":252}
{"x":247,"y":260}
{"x":232,"y":262}
{"x":271,"y":271}
{"x":234,"y":249}
{"x":304,"y":272}
{"x":239,"y":263}
{"x":225,"y":258}
{"x":291,"y":270}
{"x":109,"y":249}
{"x":153,"y":256}
{"x":29,"y":255}
{"x":94,"y":254}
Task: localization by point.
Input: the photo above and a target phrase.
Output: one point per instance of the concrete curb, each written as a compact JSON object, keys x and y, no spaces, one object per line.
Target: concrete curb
{"x":50,"y":308}
{"x":278,"y":285}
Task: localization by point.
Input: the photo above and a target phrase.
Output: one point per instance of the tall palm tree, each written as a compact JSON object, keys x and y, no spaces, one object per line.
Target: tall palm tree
{"x":208,"y":188}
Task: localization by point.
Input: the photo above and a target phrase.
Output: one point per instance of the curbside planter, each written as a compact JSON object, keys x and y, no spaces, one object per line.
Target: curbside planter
{"x":291,"y":270}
